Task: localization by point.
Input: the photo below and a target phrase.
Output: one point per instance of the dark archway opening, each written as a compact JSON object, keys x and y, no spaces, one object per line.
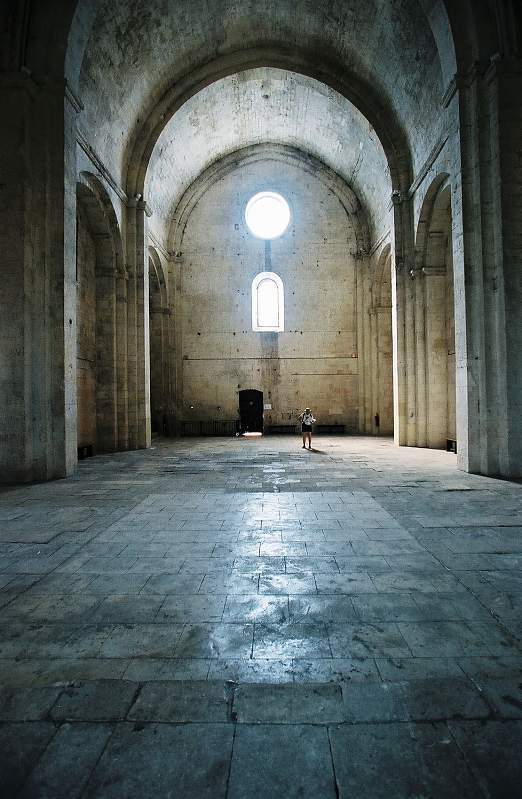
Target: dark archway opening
{"x":251,"y":411}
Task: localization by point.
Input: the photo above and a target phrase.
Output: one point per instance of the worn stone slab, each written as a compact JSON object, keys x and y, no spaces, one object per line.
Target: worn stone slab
{"x":27,"y":704}
{"x":21,"y":745}
{"x":215,"y":640}
{"x":100,"y":700}
{"x":334,"y":670}
{"x":492,"y":750}
{"x":182,"y":701}
{"x":256,"y":608}
{"x":386,"y":607}
{"x":415,"y":700}
{"x":345,"y":583}
{"x":289,"y":640}
{"x":142,"y":640}
{"x":367,"y":640}
{"x":444,"y":639}
{"x":66,"y":765}
{"x":492,"y":667}
{"x":145,"y":669}
{"x":120,"y":608}
{"x":229,"y":583}
{"x":287,"y":584}
{"x":399,"y":761}
{"x":504,"y":696}
{"x":254,"y":670}
{"x":402,"y":669}
{"x":172,"y":584}
{"x":159,"y":760}
{"x":324,"y":608}
{"x":274,"y":761}
{"x":192,"y":608}
{"x":117,"y":583}
{"x":288,"y":704}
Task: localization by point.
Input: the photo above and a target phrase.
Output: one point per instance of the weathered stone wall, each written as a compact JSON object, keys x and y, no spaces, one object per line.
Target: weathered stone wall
{"x":314,"y":362}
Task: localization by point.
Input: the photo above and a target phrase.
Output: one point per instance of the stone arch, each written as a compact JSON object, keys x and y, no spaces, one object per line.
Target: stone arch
{"x":358,"y":91}
{"x":72,"y":22}
{"x":435,"y":319}
{"x":101,"y":322}
{"x":438,"y":20}
{"x":247,"y":155}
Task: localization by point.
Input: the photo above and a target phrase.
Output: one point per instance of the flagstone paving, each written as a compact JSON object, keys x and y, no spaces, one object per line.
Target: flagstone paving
{"x":230,"y":617}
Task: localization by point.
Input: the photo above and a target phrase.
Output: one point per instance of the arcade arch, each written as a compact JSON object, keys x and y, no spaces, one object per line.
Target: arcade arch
{"x":101,"y":323}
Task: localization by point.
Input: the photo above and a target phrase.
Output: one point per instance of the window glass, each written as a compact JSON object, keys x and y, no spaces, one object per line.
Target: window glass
{"x":268,"y":305}
{"x":267,"y":215}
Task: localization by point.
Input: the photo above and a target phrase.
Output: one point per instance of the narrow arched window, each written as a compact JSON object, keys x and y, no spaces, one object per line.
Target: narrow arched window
{"x":268,"y":303}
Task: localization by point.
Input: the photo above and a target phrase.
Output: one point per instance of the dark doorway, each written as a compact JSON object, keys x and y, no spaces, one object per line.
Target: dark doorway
{"x":251,"y":410}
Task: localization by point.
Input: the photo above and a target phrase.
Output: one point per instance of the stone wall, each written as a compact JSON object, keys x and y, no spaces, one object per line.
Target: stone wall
{"x":314,"y":362}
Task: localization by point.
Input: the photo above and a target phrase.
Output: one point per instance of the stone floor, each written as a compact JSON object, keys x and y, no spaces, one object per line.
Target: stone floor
{"x":244,"y":618}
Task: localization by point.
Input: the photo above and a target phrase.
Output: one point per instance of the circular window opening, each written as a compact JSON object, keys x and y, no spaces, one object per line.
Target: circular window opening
{"x":267,"y":215}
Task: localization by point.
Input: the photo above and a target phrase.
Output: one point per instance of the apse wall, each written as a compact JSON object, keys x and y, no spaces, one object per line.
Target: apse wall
{"x":314,"y":361}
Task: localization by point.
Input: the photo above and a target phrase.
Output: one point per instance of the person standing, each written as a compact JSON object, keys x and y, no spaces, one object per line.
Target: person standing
{"x":307,"y":419}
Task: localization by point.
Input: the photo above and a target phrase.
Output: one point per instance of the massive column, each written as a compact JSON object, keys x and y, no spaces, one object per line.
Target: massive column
{"x":489,"y":373}
{"x":138,"y":326}
{"x":38,"y":289}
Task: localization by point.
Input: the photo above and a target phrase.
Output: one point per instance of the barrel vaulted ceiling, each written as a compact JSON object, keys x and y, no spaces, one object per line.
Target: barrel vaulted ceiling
{"x":274,"y":107}
{"x":139,"y":51}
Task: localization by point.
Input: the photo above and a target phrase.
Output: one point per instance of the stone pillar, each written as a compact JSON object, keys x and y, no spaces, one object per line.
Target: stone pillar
{"x":177,"y":354}
{"x":435,"y":347}
{"x":38,"y":283}
{"x":121,"y":366}
{"x":404,"y":428}
{"x":489,"y":366}
{"x":374,"y":372}
{"x":421,"y":326}
{"x":159,"y":319}
{"x":106,"y":360}
{"x":361,"y":307}
{"x":138,"y":326}
{"x":166,"y":323}
{"x":367,"y":345}
{"x":384,"y":369}
{"x":507,"y":81}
